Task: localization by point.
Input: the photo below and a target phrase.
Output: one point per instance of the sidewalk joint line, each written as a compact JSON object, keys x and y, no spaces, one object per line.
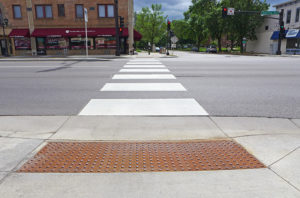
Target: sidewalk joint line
{"x":31,"y":153}
{"x":295,"y":187}
{"x":219,"y":127}
{"x":291,"y":120}
{"x":289,"y":153}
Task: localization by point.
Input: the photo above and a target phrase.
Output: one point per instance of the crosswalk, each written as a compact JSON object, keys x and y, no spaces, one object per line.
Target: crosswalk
{"x":141,"y":71}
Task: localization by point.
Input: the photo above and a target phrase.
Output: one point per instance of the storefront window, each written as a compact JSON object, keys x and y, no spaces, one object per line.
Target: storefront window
{"x":293,"y":44}
{"x":41,"y":43}
{"x":22,"y":43}
{"x":79,"y":43}
{"x":56,"y":43}
{"x":105,"y":42}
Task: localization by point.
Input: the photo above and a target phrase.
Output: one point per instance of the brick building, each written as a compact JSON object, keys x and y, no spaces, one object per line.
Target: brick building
{"x":56,"y":27}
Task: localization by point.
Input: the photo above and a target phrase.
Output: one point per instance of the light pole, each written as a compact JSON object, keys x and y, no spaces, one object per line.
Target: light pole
{"x":4,"y":23}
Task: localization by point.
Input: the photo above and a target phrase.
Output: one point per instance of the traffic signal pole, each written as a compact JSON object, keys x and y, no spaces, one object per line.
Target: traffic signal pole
{"x":281,"y":25}
{"x":117,"y":29}
{"x":168,"y":36}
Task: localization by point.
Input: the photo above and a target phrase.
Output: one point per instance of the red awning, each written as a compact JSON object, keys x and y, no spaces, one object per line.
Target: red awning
{"x":19,"y":33}
{"x":80,"y":32}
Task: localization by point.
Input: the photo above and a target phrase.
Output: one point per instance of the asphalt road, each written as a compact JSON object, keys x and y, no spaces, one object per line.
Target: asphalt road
{"x":223,"y":85}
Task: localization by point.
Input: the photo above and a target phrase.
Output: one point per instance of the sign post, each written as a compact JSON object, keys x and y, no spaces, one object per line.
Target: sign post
{"x":264,"y":13}
{"x":86,"y":33}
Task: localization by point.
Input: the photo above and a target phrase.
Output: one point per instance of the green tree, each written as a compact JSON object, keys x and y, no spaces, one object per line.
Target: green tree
{"x":215,"y":23}
{"x":151,"y":24}
{"x":181,"y":29}
{"x":243,"y":25}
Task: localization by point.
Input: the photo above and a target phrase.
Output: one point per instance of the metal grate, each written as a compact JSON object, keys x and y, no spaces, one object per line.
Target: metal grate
{"x":108,"y":157}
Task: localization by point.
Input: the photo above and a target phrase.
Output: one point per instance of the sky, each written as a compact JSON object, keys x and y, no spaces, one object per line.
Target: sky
{"x":174,"y":9}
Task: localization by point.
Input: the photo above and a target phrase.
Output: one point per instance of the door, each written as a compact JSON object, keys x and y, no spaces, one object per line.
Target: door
{"x":3,"y":47}
{"x":41,"y":46}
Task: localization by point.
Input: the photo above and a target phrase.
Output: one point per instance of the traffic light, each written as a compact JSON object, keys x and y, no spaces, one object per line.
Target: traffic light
{"x":122,"y":22}
{"x":224,"y":12}
{"x":282,"y":30}
{"x":121,"y":25}
{"x":169,"y":25}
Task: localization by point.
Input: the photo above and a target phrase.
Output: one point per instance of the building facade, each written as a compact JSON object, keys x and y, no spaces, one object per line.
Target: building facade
{"x":57,"y":27}
{"x":268,"y":33}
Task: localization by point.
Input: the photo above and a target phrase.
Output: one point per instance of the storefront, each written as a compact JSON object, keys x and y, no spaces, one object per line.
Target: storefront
{"x":291,"y":42}
{"x":69,"y":41}
{"x":21,"y":43}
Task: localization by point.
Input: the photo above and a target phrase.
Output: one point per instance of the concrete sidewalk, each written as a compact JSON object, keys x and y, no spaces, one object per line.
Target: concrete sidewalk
{"x":275,"y":142}
{"x":63,"y":58}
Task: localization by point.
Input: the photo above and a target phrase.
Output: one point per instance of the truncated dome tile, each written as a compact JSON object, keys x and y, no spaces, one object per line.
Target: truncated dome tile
{"x":108,"y":157}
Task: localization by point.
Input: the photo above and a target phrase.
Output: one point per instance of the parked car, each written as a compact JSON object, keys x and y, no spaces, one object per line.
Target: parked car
{"x":195,"y":49}
{"x":211,"y":49}
{"x":157,"y":49}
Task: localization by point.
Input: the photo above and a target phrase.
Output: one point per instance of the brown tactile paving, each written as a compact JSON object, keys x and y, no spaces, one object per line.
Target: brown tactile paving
{"x":107,"y":157}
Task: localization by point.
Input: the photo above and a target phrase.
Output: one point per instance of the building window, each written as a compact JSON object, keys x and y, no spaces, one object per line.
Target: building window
{"x":17,"y":11}
{"x":79,"y":10}
{"x":61,"y":10}
{"x":106,"y":11}
{"x":110,"y":11}
{"x":297,"y":14}
{"x":80,"y":43}
{"x":266,"y":27}
{"x":105,"y":42}
{"x":288,"y":16}
{"x":43,"y":11}
{"x":22,"y":43}
{"x":56,"y":43}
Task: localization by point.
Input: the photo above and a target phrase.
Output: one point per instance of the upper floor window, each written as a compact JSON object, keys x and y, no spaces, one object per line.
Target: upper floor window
{"x":43,"y":11}
{"x":79,"y":10}
{"x":106,"y":11}
{"x":297,"y":14}
{"x":17,"y":11}
{"x":61,"y":10}
{"x":288,"y":16}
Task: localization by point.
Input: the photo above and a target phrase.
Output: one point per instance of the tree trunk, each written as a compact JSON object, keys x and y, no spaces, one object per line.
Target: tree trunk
{"x":231,"y":44}
{"x":199,"y":43}
{"x":220,"y":44}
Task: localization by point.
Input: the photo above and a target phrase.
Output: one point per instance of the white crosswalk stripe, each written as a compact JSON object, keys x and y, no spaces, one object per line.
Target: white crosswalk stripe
{"x":144,"y":71}
{"x":143,"y":87}
{"x":144,"y":66}
{"x":143,"y":107}
{"x":140,"y":70}
{"x":143,"y":76}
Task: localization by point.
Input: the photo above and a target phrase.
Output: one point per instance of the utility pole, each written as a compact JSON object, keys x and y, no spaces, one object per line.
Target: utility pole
{"x":117,"y":28}
{"x":31,"y":26}
{"x":86,"y":33}
{"x":281,"y":34}
{"x":130,"y":27}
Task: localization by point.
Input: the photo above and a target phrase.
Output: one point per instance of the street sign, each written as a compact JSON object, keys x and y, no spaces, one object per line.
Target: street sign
{"x":174,"y":39}
{"x":292,"y":33}
{"x":263,"y":13}
{"x":230,"y":11}
{"x":86,"y":19}
{"x":173,"y":45}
